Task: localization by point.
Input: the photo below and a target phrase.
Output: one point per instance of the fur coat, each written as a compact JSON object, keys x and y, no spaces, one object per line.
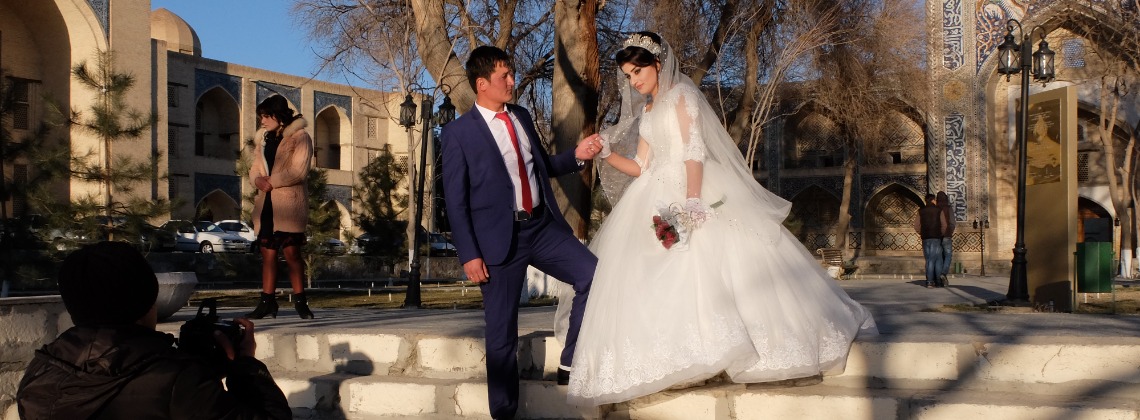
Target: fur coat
{"x":290,"y":169}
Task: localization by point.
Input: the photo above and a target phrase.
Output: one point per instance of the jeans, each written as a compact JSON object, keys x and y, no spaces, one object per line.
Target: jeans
{"x":932,"y":252}
{"x":947,"y":255}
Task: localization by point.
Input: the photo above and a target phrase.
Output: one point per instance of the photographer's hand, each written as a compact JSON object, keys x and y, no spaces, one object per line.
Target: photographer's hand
{"x":248,"y":345}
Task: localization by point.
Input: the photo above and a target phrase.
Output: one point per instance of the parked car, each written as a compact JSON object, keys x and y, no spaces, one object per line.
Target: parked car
{"x":334,"y":246}
{"x":144,"y":236}
{"x":242,"y":229}
{"x":440,"y":246}
{"x":205,"y":237}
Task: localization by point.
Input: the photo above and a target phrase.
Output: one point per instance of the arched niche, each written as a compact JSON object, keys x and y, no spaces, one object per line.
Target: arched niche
{"x":217,"y":205}
{"x":813,"y":216}
{"x":889,"y":220}
{"x":217,"y":125}
{"x":332,"y":138}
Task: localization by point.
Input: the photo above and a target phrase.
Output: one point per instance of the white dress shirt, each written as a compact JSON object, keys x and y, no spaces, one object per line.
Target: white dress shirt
{"x":507,"y":150}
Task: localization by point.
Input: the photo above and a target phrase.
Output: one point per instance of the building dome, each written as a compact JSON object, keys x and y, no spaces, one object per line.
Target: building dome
{"x":179,"y":36}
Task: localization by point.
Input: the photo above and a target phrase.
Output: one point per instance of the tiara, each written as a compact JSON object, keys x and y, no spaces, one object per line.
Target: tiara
{"x":642,"y":41}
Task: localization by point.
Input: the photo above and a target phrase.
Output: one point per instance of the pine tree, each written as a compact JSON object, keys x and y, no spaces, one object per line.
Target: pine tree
{"x":121,"y":212}
{"x":379,"y":203}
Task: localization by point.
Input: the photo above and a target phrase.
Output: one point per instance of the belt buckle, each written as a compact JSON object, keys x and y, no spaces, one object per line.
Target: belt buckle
{"x":522,"y":216}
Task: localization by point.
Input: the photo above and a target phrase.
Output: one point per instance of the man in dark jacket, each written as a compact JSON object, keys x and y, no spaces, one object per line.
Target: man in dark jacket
{"x":930,"y":224}
{"x":114,"y":365}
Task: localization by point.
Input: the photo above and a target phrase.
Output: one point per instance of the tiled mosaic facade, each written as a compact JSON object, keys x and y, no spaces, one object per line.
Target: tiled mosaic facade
{"x":324,"y":99}
{"x":204,"y":80}
{"x":267,"y":89}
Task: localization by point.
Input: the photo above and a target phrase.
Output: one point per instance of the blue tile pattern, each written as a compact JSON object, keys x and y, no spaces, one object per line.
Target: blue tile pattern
{"x":790,"y":187}
{"x":324,"y":99}
{"x":267,"y":89}
{"x":102,"y":10}
{"x":341,"y":193}
{"x":955,"y":134}
{"x":953,"y":54}
{"x":204,"y":80}
{"x":207,"y":183}
{"x":990,"y":25}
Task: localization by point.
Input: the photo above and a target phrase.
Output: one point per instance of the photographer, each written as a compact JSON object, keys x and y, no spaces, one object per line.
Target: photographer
{"x":114,"y":365}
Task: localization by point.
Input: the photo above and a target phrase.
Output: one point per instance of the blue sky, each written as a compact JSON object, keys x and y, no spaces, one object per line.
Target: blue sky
{"x":232,"y":31}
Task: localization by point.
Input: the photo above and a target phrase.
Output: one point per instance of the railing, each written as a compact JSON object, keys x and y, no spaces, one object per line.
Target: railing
{"x":890,"y":240}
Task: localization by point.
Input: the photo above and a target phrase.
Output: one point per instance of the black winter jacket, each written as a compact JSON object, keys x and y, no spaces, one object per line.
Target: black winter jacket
{"x":134,"y":372}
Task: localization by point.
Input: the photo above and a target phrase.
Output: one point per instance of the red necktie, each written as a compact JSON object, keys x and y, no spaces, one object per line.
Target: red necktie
{"x":527,"y":204}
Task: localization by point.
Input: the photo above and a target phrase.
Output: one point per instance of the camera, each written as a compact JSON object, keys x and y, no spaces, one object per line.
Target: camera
{"x":196,"y":336}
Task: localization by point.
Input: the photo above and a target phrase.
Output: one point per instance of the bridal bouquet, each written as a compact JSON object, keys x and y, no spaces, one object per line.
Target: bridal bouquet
{"x":674,"y":222}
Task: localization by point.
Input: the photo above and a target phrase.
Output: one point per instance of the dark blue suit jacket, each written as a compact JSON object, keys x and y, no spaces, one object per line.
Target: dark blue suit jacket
{"x":477,"y":187}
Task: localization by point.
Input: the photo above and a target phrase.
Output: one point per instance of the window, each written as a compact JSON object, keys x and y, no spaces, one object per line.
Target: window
{"x":371,"y":127}
{"x":172,"y":95}
{"x":21,"y":109}
{"x":334,"y":156}
{"x":1082,"y":167}
{"x":20,"y":182}
{"x":199,"y":144}
{"x":172,"y":141}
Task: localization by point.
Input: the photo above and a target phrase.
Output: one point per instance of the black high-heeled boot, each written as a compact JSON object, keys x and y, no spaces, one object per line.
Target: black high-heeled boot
{"x":301,"y":304}
{"x":267,"y":306}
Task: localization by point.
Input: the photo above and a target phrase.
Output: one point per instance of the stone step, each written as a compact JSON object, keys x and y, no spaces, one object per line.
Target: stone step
{"x":1033,"y":364}
{"x":376,"y":397}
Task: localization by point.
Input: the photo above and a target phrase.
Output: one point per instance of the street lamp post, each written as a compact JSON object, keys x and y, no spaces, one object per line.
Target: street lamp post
{"x":445,"y":114}
{"x":981,"y":227}
{"x":1014,"y":58}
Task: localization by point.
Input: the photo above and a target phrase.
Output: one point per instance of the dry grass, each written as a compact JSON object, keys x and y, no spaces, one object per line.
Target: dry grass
{"x":431,"y":297}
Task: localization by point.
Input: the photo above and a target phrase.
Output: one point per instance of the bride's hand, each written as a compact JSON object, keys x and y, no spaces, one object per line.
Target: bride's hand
{"x":604,"y":147}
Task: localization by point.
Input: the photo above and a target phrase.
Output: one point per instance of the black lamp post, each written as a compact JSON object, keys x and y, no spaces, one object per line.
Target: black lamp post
{"x":1014,"y":58}
{"x":445,"y":114}
{"x":982,"y":226}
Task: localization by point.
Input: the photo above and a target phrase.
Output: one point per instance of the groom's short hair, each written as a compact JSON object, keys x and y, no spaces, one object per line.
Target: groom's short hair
{"x":482,"y":63}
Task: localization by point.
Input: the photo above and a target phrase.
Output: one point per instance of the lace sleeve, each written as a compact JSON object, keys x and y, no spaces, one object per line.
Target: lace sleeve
{"x":693,"y":146}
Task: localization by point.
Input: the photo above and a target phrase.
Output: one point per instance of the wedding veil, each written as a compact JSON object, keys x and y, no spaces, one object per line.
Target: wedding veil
{"x":720,"y":149}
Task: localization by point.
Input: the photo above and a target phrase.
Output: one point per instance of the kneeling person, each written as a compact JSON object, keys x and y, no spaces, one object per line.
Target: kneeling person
{"x":113,"y":364}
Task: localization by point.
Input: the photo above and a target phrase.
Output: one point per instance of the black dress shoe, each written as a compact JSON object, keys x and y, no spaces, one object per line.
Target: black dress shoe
{"x":563,"y":377}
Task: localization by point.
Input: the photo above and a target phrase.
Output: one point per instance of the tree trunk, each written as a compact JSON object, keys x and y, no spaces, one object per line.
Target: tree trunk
{"x":741,"y":117}
{"x":437,"y":55}
{"x":575,"y":104}
{"x":727,"y":14}
{"x":843,"y":224}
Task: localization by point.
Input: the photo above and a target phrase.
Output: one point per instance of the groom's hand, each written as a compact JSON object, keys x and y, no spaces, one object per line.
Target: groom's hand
{"x":587,"y":148}
{"x":476,"y":271}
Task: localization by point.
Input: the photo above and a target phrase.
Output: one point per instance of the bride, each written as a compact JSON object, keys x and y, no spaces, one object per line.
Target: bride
{"x":696,"y":274}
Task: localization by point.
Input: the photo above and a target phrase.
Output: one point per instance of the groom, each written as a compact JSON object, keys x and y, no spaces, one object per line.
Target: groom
{"x":496,"y":180}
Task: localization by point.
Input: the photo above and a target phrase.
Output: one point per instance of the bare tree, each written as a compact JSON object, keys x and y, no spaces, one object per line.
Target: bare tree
{"x":870,"y":67}
{"x":576,"y":83}
{"x":1113,"y":33}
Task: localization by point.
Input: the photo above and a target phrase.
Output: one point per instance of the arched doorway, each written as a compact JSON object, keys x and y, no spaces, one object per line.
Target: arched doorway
{"x":217,"y":205}
{"x":813,"y":216}
{"x":1096,"y":223}
{"x":331,"y":131}
{"x":216,"y":121}
{"x":889,"y":222}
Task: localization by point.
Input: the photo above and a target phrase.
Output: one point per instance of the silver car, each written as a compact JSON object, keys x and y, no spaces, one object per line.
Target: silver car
{"x":205,"y":237}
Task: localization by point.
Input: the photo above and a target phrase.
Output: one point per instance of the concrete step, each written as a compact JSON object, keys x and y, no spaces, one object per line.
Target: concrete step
{"x":378,"y":397}
{"x":364,"y":376}
{"x":883,"y":362}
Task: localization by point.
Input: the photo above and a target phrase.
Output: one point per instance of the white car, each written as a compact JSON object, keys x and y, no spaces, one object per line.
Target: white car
{"x":242,"y":229}
{"x":205,"y":237}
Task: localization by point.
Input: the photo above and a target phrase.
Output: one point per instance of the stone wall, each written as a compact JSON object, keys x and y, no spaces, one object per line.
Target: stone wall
{"x":26,"y":324}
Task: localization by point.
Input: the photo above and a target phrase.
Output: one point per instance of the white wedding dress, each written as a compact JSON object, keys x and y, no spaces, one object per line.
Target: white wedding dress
{"x":745,"y":297}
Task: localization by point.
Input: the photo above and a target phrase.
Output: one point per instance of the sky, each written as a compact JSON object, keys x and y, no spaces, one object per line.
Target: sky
{"x":255,"y":33}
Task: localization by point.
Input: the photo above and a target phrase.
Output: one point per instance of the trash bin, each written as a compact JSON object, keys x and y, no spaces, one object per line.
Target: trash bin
{"x":1094,"y":267}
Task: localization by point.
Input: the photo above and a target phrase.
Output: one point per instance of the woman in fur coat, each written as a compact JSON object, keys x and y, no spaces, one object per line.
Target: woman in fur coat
{"x":282,"y":157}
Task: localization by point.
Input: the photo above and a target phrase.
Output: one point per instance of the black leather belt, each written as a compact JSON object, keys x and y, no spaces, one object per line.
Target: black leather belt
{"x":522,"y":215}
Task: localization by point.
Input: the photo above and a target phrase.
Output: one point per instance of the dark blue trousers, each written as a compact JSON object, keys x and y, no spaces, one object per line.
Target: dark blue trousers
{"x":555,"y":252}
